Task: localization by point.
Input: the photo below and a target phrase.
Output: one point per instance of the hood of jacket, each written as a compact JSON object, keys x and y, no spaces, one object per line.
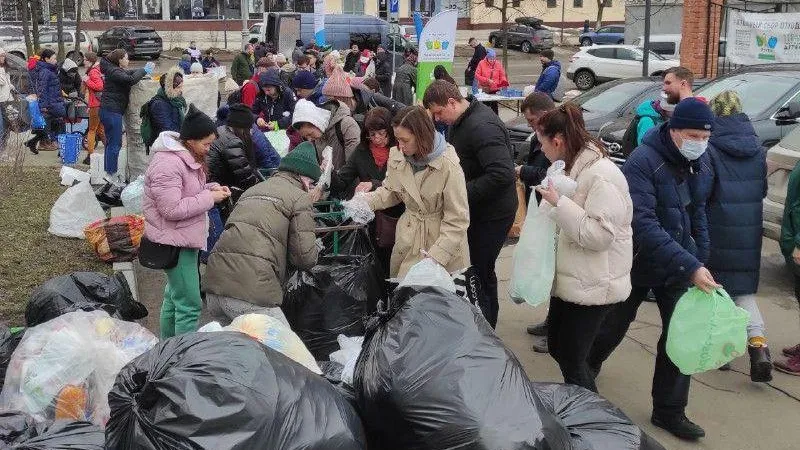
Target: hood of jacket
{"x":338,"y":111}
{"x":554,"y":63}
{"x":68,"y":65}
{"x":167,"y":142}
{"x":662,"y":143}
{"x":168,"y":89}
{"x":42,"y":66}
{"x":735,"y":136}
{"x":646,"y":109}
{"x":271,"y":77}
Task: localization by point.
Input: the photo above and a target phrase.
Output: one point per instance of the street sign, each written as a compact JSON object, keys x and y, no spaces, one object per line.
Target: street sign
{"x":394,"y":6}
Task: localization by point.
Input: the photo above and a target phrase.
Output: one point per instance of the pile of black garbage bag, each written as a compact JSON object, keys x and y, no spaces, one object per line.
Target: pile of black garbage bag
{"x":83,"y":291}
{"x":18,"y":432}
{"x":225,"y":390}
{"x":433,"y":375}
{"x":336,"y":296}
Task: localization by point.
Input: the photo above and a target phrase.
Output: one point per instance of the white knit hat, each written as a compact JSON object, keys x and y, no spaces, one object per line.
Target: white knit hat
{"x":196,"y":67}
{"x":306,"y":111}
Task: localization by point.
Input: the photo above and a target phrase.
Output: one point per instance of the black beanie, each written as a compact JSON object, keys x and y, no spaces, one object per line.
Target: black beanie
{"x":240,"y":116}
{"x":196,"y":125}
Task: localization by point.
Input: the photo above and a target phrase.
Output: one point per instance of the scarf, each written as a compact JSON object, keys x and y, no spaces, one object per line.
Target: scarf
{"x":178,"y":102}
{"x":439,"y":146}
{"x":380,"y":155}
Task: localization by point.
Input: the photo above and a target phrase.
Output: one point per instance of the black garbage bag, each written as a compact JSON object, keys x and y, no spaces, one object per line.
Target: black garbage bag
{"x":86,"y":291}
{"x":8,"y":343}
{"x":109,"y":195}
{"x":433,"y":375}
{"x":593,"y":422}
{"x":60,"y":435}
{"x":223,"y":391}
{"x":335,"y":296}
{"x":15,"y":426}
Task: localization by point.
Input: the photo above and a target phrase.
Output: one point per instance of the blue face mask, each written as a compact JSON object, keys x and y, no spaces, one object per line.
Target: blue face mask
{"x":692,"y":149}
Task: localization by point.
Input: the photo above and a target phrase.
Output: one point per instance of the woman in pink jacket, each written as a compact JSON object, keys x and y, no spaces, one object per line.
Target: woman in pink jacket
{"x":176,"y":203}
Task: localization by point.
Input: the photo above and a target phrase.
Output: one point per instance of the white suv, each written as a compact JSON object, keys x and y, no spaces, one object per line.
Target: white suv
{"x":596,"y":64}
{"x":49,"y":39}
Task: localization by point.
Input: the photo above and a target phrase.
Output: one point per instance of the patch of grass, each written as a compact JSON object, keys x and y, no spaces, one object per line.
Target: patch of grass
{"x":29,"y":255}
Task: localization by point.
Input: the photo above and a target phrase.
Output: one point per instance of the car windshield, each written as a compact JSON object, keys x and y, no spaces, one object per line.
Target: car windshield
{"x":610,"y":96}
{"x":758,"y":91}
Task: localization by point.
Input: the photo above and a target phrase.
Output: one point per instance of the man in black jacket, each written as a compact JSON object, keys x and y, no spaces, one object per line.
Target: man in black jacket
{"x":383,"y":71}
{"x":477,"y":56}
{"x":482,"y":143}
{"x":531,"y":174}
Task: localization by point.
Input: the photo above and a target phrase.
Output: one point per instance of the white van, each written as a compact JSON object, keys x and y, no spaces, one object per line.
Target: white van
{"x":669,"y":46}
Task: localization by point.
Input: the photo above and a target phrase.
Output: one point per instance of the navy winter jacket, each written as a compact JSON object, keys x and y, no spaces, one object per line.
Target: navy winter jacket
{"x":48,"y":89}
{"x":670,"y":227}
{"x":735,"y":209}
{"x":266,"y":155}
{"x":548,"y":80}
{"x":280,"y":109}
{"x":164,"y":116}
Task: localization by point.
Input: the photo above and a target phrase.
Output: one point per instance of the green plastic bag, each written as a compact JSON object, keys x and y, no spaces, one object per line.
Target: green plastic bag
{"x":706,"y":331}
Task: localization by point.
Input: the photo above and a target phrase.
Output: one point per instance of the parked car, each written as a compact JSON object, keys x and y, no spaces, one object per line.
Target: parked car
{"x":18,"y":69}
{"x":669,"y":46}
{"x":137,"y":41}
{"x":597,"y":64}
{"x":527,"y":34}
{"x":49,"y":39}
{"x":611,"y":34}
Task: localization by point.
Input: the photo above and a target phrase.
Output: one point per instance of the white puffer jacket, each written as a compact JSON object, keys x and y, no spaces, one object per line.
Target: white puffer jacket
{"x":5,"y":86}
{"x":595,"y":242}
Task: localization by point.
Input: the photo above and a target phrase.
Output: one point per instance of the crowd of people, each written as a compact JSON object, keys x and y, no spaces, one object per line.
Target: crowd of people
{"x":684,"y":210}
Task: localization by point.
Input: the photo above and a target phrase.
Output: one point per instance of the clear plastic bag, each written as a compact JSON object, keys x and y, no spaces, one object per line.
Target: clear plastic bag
{"x":64,"y":368}
{"x":564,"y":185}
{"x":132,"y":196}
{"x":327,"y":167}
{"x":273,"y":333}
{"x":428,"y":272}
{"x":358,"y":209}
{"x":348,"y":355}
{"x":534,"y":261}
{"x":74,"y":210}
{"x":70,"y":175}
{"x":706,"y":331}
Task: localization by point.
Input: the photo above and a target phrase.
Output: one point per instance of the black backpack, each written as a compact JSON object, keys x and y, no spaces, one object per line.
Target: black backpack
{"x":149,"y":134}
{"x":631,"y":136}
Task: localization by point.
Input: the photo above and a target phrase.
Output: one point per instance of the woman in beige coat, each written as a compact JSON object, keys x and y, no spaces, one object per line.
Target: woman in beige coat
{"x":594,"y":253}
{"x":425,"y":174}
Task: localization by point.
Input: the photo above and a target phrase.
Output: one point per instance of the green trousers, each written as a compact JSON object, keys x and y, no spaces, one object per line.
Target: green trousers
{"x":180,"y":311}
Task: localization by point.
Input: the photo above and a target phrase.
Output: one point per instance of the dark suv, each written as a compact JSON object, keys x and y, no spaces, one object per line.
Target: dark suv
{"x":137,"y":41}
{"x":527,"y":34}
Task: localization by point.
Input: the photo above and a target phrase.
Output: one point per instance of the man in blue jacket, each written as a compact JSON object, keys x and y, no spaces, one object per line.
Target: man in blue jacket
{"x":551,"y":73}
{"x":670,"y":178}
{"x":274,"y":105}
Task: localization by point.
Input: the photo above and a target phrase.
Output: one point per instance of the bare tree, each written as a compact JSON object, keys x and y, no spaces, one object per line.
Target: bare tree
{"x":78,"y":13}
{"x":26,"y":26}
{"x":504,"y":7}
{"x":601,"y":4}
{"x":36,"y":14}
{"x":60,"y":28}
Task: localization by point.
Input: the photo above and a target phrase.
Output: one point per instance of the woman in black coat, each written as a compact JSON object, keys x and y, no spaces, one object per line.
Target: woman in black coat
{"x":231,"y":159}
{"x":365,"y":171}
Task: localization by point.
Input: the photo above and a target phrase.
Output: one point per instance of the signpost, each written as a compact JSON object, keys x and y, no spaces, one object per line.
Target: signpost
{"x":437,"y":44}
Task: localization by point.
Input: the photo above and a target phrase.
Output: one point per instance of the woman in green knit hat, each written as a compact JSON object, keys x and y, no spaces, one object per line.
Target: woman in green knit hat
{"x":272,"y":225}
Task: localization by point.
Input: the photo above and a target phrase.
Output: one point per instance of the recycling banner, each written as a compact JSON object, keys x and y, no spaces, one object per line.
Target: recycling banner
{"x":437,"y":44}
{"x":319,"y":22}
{"x":759,"y":38}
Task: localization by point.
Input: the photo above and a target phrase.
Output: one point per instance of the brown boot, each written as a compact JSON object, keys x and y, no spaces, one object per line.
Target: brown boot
{"x":48,"y":146}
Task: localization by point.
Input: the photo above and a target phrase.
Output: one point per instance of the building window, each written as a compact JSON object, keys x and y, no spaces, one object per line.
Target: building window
{"x":489,"y":3}
{"x":352,"y":6}
{"x":551,"y":3}
{"x":515,"y":3}
{"x":607,"y":3}
{"x":577,"y":3}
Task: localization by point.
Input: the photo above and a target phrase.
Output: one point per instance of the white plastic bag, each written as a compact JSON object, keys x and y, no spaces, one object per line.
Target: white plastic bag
{"x":65,"y":367}
{"x":273,"y":333}
{"x":70,"y":175}
{"x":358,"y":209}
{"x":76,"y":208}
{"x":428,"y":272}
{"x":564,"y":185}
{"x":327,"y":167}
{"x":132,"y":196}
{"x":348,"y":355}
{"x":534,"y":261}
{"x":279,"y":141}
{"x":97,"y":169}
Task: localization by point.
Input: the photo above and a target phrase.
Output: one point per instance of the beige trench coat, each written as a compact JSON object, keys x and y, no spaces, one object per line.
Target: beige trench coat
{"x":437,"y":212}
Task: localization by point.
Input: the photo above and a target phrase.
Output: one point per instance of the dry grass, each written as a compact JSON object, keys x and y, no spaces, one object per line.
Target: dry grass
{"x":29,"y":255}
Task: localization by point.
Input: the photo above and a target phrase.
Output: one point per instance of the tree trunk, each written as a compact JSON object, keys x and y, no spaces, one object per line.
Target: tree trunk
{"x":601,"y":4}
{"x":36,"y":14}
{"x":26,"y":26}
{"x":78,"y":12}
{"x":60,"y":28}
{"x":504,"y":19}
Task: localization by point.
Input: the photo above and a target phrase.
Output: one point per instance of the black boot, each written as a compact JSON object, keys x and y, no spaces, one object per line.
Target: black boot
{"x":679,"y":426}
{"x":760,"y":364}
{"x":540,"y":329}
{"x":32,"y":146}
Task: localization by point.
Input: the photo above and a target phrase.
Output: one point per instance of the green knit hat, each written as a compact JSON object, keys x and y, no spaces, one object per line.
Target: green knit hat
{"x":302,"y":161}
{"x":726,"y":103}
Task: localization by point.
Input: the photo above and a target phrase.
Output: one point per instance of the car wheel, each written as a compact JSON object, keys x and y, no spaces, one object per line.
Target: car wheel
{"x":526,"y":47}
{"x":156,"y":56}
{"x":586,"y":42}
{"x":76,"y":56}
{"x":584,"y":79}
{"x":19,"y":55}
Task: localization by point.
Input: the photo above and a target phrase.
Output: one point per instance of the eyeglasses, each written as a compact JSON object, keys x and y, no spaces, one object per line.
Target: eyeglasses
{"x":382,"y":134}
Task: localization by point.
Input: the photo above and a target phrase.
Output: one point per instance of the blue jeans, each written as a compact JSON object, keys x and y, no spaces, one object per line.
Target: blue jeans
{"x":112,"y":124}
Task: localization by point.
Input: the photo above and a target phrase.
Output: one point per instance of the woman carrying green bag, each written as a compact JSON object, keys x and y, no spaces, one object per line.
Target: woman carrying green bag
{"x":595,"y":242}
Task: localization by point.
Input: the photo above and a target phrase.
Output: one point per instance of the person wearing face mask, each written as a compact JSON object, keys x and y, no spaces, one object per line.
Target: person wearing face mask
{"x":551,"y":73}
{"x":271,"y":228}
{"x":670,"y":178}
{"x":423,"y":172}
{"x":595,"y":246}
{"x":177,"y":198}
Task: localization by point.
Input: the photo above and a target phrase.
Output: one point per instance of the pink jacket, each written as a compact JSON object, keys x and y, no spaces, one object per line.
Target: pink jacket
{"x":176,"y":195}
